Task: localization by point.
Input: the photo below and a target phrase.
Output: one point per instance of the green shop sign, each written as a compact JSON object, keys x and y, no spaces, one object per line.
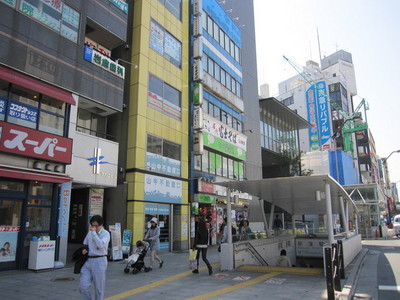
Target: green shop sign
{"x":201,"y":198}
{"x":223,"y":146}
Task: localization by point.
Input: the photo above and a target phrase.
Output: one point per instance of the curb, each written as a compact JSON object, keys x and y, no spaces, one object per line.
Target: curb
{"x":349,"y":287}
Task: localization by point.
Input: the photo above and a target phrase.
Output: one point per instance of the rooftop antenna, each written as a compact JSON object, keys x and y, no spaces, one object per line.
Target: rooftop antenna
{"x":319,"y":49}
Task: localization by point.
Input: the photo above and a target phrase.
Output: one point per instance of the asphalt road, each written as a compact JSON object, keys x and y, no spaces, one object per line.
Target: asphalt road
{"x":380,"y":273}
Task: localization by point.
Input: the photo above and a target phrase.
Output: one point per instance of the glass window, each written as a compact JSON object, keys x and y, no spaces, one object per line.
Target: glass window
{"x":228,"y":82}
{"x":237,"y":54}
{"x":212,"y":162}
{"x":230,"y":168}
{"x":224,"y":166}
{"x":38,"y":218}
{"x":155,"y":85}
{"x":238,"y":89}
{"x":229,"y":120}
{"x":23,"y":107}
{"x":234,"y":86}
{"x":223,"y":77}
{"x":217,"y":112}
{"x":205,"y":63}
{"x":205,"y":106}
{"x":216,"y":32}
{"x":52,"y":114}
{"x":232,"y":49}
{"x":197,"y":162}
{"x":224,"y":117}
{"x":218,"y":165}
{"x":204,"y":161}
{"x":174,"y":6}
{"x":70,"y":23}
{"x":217,"y":73}
{"x":171,"y":150}
{"x":221,"y":38}
{"x":165,"y":44}
{"x":227,"y":43}
{"x":211,"y":67}
{"x":172,"y":95}
{"x":154,"y":144}
{"x":210,"y":25}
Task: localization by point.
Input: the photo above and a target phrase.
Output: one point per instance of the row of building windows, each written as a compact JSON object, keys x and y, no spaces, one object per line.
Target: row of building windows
{"x":163,"y":147}
{"x":164,"y":90}
{"x":221,"y":115}
{"x":174,"y":6}
{"x":27,"y":108}
{"x":216,"y":71}
{"x":220,"y":165}
{"x":288,"y":101}
{"x":278,"y":141}
{"x":338,"y":93}
{"x":221,"y":37}
{"x":54,"y":14}
{"x":165,"y":44}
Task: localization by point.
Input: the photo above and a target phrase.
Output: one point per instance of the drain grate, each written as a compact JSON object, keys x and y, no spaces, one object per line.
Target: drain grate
{"x":63,"y":279}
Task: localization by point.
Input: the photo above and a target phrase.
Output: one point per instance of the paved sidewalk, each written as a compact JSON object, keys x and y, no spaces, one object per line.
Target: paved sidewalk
{"x":173,"y":281}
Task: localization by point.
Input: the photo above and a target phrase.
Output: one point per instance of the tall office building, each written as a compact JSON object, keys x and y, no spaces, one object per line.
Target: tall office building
{"x":60,"y":83}
{"x":324,"y":96}
{"x":225,"y":108}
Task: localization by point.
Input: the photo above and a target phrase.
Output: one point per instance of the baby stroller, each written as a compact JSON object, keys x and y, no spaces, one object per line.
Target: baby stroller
{"x":136,"y":259}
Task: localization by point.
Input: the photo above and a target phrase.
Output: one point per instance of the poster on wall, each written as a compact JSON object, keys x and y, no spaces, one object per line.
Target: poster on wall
{"x":8,"y":242}
{"x":96,"y":202}
{"x":156,"y":37}
{"x":161,"y":189}
{"x":116,"y":245}
{"x":126,"y":241}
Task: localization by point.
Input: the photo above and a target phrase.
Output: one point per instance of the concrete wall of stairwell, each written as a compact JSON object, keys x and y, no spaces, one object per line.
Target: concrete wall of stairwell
{"x":351,"y":247}
{"x":237,"y":254}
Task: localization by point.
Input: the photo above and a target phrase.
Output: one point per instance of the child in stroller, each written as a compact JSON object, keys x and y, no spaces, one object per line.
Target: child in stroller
{"x":136,"y":259}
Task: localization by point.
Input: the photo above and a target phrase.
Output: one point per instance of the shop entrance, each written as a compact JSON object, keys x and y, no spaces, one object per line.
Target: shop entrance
{"x":11,"y":202}
{"x":162,"y":213}
{"x":27,"y":209}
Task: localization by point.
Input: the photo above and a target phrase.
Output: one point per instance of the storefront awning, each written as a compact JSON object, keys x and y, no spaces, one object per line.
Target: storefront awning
{"x":33,"y":175}
{"x":35,"y":85}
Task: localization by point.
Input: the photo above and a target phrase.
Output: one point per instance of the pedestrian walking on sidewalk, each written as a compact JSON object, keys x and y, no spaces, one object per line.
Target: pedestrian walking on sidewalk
{"x":201,"y":244}
{"x":153,"y":237}
{"x":94,"y":269}
{"x":277,"y":225}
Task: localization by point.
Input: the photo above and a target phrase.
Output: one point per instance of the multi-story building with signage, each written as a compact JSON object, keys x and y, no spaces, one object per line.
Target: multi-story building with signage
{"x":324,"y":96}
{"x":154,"y":164}
{"x":224,"y":106}
{"x":60,"y":83}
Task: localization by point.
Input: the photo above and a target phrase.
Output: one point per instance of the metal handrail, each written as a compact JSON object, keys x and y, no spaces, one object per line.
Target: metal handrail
{"x":257,"y":255}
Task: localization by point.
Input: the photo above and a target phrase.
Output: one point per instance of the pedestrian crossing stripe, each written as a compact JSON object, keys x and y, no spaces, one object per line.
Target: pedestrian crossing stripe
{"x":146,"y":287}
{"x":389,"y":287}
{"x":235,"y":287}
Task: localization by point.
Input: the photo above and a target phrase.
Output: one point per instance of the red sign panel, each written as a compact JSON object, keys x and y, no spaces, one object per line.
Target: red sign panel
{"x":29,"y":142}
{"x":206,"y":187}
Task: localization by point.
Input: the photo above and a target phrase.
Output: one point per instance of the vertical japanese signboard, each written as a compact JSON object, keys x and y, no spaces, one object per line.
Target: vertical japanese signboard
{"x":318,"y":113}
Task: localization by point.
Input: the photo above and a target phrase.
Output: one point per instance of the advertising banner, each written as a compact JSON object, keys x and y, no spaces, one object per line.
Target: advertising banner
{"x":223,"y":146}
{"x":163,"y":164}
{"x":162,"y":189}
{"x":318,"y":113}
{"x":8,"y":242}
{"x":65,"y":200}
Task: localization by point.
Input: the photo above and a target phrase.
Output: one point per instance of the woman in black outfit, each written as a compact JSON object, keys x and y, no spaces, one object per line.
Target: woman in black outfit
{"x":201,"y":242}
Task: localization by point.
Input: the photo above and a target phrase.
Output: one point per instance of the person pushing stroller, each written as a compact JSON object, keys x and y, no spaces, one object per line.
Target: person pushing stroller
{"x":136,"y":259}
{"x":153,"y":237}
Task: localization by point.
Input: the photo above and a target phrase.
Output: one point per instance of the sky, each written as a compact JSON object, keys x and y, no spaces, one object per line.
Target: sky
{"x":368,"y":29}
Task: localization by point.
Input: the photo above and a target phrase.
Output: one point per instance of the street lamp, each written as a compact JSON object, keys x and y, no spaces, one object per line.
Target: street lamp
{"x":385,"y":159}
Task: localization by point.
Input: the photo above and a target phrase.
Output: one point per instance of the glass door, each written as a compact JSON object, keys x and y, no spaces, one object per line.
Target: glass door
{"x":162,"y":213}
{"x":10,"y":222}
